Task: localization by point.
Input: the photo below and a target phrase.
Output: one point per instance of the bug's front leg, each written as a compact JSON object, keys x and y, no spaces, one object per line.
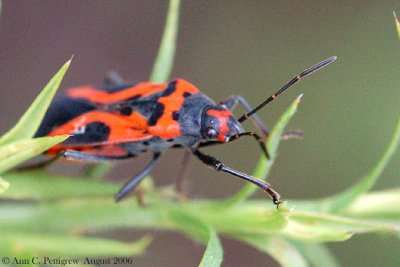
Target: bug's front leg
{"x":219,"y":166}
{"x":232,"y":101}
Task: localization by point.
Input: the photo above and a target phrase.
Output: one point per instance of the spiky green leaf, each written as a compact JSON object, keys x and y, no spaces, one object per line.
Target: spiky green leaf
{"x":17,"y":152}
{"x":27,"y":126}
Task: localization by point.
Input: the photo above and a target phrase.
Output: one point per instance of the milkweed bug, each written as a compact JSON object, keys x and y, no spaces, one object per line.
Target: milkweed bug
{"x":123,"y":121}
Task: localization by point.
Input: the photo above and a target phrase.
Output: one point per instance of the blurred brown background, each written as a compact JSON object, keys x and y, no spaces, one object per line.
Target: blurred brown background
{"x":250,"y":48}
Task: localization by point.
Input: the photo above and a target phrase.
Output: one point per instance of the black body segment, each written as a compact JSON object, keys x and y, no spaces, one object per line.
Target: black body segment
{"x":94,"y":132}
{"x":62,"y":110}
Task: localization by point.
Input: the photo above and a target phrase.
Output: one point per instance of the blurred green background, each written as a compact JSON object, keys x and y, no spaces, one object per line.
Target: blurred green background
{"x":250,"y":48}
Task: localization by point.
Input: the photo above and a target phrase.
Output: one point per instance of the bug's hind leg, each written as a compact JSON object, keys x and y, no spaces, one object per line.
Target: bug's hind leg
{"x":90,"y":157}
{"x":219,"y":166}
{"x":73,"y":155}
{"x":132,"y":183}
{"x":179,"y":181}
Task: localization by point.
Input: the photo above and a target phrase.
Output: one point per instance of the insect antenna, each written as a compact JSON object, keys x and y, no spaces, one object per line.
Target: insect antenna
{"x":286,"y":86}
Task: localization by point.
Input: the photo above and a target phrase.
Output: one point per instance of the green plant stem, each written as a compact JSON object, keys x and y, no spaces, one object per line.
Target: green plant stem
{"x":165,"y":58}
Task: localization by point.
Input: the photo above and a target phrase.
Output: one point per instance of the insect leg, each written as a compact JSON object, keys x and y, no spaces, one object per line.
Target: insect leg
{"x":132,"y":183}
{"x":219,"y":166}
{"x":231,"y":103}
{"x":233,"y":100}
{"x":83,"y":156}
{"x":182,"y":171}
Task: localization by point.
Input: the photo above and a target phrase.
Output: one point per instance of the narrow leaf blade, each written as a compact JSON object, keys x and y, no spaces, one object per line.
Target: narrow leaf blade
{"x":384,"y":205}
{"x":249,"y":218}
{"x":19,"y":151}
{"x":165,"y":58}
{"x":340,"y":201}
{"x":213,"y":255}
{"x":28,"y":124}
{"x":396,"y":21}
{"x":278,"y":248}
{"x":317,"y":254}
{"x":319,"y":227}
{"x":189,"y":223}
{"x":197,"y":229}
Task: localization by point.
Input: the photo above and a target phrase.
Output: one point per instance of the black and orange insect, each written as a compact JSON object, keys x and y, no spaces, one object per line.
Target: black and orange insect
{"x":124,"y":121}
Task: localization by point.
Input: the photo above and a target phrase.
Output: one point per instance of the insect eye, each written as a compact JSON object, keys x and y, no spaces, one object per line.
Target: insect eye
{"x":211,"y":133}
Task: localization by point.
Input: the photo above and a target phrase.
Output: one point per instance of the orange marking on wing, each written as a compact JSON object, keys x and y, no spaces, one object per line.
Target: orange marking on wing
{"x":102,"y":97}
{"x":166,"y":126}
{"x":137,"y":120}
{"x":111,"y":150}
{"x":121,"y":128}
